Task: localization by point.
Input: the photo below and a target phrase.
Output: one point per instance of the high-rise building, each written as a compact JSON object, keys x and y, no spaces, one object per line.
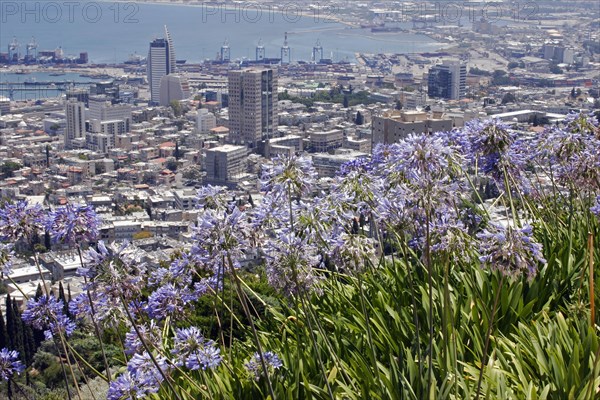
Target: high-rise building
{"x":101,"y":109}
{"x":252,"y":105}
{"x":225,"y":164}
{"x":75,"y":113}
{"x":447,"y":80}
{"x":161,"y":62}
{"x":173,"y":87}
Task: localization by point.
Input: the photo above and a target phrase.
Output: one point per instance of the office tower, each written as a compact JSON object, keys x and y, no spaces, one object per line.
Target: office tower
{"x":225,"y":165}
{"x":173,"y":87}
{"x":252,"y":105}
{"x":286,"y":52}
{"x":101,"y":109}
{"x":161,"y":62}
{"x":75,"y":113}
{"x":447,"y":80}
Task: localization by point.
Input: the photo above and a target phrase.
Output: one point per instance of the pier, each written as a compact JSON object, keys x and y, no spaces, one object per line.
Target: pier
{"x":42,"y":89}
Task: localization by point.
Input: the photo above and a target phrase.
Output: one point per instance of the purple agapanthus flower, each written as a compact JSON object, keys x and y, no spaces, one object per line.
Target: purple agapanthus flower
{"x":293,"y":175}
{"x":9,"y":364}
{"x":20,"y":220}
{"x":150,"y":333}
{"x":361,"y":164}
{"x":46,"y":314}
{"x":125,"y":387}
{"x":145,"y":372}
{"x":595,"y":209}
{"x":194,"y":351}
{"x":291,"y":263}
{"x":73,"y":224}
{"x":510,"y":250}
{"x":254,"y":366}
{"x":168,"y":300}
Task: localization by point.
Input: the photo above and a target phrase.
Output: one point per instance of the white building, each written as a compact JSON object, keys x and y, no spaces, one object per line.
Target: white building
{"x":205,"y":121}
{"x":161,"y":62}
{"x":173,"y":88}
{"x":75,"y":113}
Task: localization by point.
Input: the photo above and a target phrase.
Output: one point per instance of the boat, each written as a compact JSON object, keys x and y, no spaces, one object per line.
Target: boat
{"x":56,"y":74}
{"x":21,"y":72}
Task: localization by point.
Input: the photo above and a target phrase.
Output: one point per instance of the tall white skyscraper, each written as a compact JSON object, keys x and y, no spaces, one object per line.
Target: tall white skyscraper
{"x":252,"y":105}
{"x":161,"y":62}
{"x":75,"y":113}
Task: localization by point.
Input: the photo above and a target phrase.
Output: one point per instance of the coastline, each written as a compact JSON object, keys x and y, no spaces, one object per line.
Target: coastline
{"x":230,"y":7}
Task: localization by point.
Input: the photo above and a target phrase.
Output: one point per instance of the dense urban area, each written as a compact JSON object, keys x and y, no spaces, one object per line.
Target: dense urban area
{"x":138,"y":139}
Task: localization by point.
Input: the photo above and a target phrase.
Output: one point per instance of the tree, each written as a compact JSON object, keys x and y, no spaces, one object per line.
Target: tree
{"x":359,"y":118}
{"x":3,"y":338}
{"x":171,"y":164}
{"x":398,"y":105}
{"x":9,"y":167}
{"x":573,"y":93}
{"x":11,"y":330}
{"x":61,"y":296}
{"x":47,"y":156}
{"x":555,"y":69}
{"x":177,"y":150}
{"x":176,"y":107}
{"x":509,"y":98}
{"x":345,"y":104}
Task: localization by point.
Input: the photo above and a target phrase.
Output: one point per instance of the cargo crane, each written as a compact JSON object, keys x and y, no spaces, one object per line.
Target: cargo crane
{"x":260,"y":51}
{"x":317,"y":53}
{"x":31,"y":51}
{"x":286,"y":52}
{"x":225,"y":51}
{"x":13,"y":51}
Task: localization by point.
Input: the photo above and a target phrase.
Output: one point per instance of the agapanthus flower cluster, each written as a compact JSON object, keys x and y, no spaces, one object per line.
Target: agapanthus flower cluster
{"x":595,"y":209}
{"x":293,"y":175}
{"x":10,"y":364}
{"x":353,"y":252}
{"x":169,"y":301}
{"x":141,"y":378}
{"x":115,"y":271}
{"x":512,"y":251}
{"x":150,"y":333}
{"x":361,"y":164}
{"x":221,"y":236}
{"x":254,"y":365}
{"x":498,"y":153}
{"x":291,"y":263}
{"x":46,"y":313}
{"x":214,"y":197}
{"x":73,"y":224}
{"x":20,"y":221}
{"x":191,"y":349}
{"x":571,"y":151}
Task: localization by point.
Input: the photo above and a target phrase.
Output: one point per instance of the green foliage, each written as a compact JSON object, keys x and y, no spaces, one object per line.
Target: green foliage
{"x":9,"y":167}
{"x":332,"y":96}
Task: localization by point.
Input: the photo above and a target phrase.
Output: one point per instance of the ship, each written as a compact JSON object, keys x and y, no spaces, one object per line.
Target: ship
{"x":387,"y":29}
{"x":180,"y":62}
{"x":135,"y":59}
